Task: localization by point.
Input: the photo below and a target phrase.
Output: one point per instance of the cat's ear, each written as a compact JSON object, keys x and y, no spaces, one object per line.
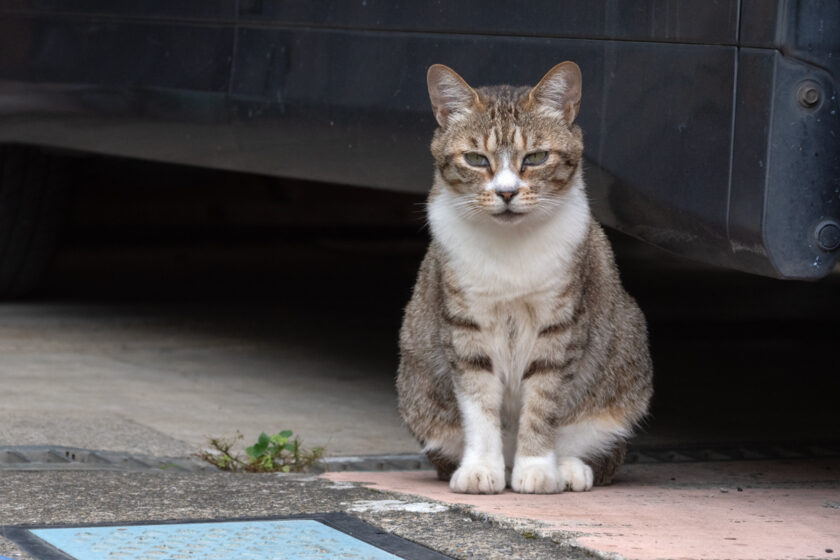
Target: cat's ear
{"x":560,"y":90}
{"x":449,"y":93}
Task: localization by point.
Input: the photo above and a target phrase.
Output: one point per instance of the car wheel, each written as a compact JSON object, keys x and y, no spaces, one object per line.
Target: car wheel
{"x":34,"y":198}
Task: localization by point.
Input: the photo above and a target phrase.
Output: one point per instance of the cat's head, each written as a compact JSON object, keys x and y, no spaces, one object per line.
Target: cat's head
{"x":506,"y":154}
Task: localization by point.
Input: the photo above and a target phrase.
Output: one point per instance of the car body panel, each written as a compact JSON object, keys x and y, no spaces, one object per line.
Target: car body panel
{"x":696,"y":140}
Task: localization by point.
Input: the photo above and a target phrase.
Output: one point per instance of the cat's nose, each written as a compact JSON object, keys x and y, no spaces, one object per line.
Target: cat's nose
{"x":506,"y":195}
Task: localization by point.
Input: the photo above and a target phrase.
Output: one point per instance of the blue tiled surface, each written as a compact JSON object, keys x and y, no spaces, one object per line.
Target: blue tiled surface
{"x":290,"y":539}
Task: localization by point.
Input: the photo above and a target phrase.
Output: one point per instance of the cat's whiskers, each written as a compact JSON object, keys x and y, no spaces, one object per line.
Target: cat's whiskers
{"x":466,"y":207}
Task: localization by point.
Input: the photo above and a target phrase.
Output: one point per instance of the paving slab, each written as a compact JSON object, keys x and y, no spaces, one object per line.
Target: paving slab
{"x":745,"y":510}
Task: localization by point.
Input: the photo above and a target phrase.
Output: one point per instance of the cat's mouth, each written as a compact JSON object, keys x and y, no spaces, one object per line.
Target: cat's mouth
{"x":508,"y":216}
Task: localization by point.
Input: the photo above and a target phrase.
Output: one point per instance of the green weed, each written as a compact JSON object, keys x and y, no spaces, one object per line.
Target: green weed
{"x":276,"y":453}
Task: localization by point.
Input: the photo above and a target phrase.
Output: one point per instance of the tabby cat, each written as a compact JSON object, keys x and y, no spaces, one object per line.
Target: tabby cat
{"x":524,"y":363}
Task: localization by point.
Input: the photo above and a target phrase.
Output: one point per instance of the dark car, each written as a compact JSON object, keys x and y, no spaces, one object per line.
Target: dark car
{"x":712,"y":128}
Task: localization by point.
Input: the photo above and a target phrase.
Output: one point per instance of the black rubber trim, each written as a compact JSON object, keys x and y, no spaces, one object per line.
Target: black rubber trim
{"x":356,"y":528}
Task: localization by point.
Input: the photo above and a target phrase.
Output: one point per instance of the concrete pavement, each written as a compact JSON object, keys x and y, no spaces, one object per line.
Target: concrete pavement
{"x":92,"y":497}
{"x":151,"y":350}
{"x":161,"y":379}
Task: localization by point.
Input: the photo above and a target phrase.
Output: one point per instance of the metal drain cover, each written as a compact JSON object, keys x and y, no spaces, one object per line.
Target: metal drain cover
{"x":314,"y":537}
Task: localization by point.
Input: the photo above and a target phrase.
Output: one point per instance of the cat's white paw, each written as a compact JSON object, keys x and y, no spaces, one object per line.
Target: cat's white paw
{"x":535,"y":475}
{"x":478,"y":478}
{"x":575,"y":475}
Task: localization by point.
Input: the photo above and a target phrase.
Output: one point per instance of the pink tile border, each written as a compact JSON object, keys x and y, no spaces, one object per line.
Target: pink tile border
{"x":784,"y":509}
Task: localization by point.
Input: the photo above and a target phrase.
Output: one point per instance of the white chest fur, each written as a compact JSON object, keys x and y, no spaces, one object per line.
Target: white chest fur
{"x":510,"y":273}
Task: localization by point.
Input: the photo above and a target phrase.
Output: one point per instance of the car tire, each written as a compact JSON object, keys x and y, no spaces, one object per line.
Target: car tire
{"x":34,"y":199}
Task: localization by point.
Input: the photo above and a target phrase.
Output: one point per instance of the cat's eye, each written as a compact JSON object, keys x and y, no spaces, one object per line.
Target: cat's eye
{"x":476,"y":160}
{"x":535,"y":158}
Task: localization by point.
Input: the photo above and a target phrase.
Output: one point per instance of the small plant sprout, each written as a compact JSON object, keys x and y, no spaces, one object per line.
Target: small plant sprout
{"x":276,"y":453}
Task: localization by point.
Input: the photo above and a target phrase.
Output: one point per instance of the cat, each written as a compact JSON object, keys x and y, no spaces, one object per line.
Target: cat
{"x":523,"y":362}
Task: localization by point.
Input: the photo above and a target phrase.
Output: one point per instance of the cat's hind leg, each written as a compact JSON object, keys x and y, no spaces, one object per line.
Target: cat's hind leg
{"x":594,"y":442}
{"x":443,"y":465}
{"x":604,"y":466}
{"x":574,"y":474}
{"x":444,"y":450}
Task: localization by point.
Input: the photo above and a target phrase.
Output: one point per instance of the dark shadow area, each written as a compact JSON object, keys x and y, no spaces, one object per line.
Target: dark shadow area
{"x":737,"y":357}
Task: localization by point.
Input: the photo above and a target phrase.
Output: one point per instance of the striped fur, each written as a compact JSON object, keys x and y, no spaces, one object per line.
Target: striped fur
{"x":523,"y":360}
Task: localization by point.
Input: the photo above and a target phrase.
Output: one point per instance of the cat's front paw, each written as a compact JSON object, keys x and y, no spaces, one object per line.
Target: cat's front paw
{"x":575,"y":475}
{"x":478,"y":478}
{"x":535,"y":475}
